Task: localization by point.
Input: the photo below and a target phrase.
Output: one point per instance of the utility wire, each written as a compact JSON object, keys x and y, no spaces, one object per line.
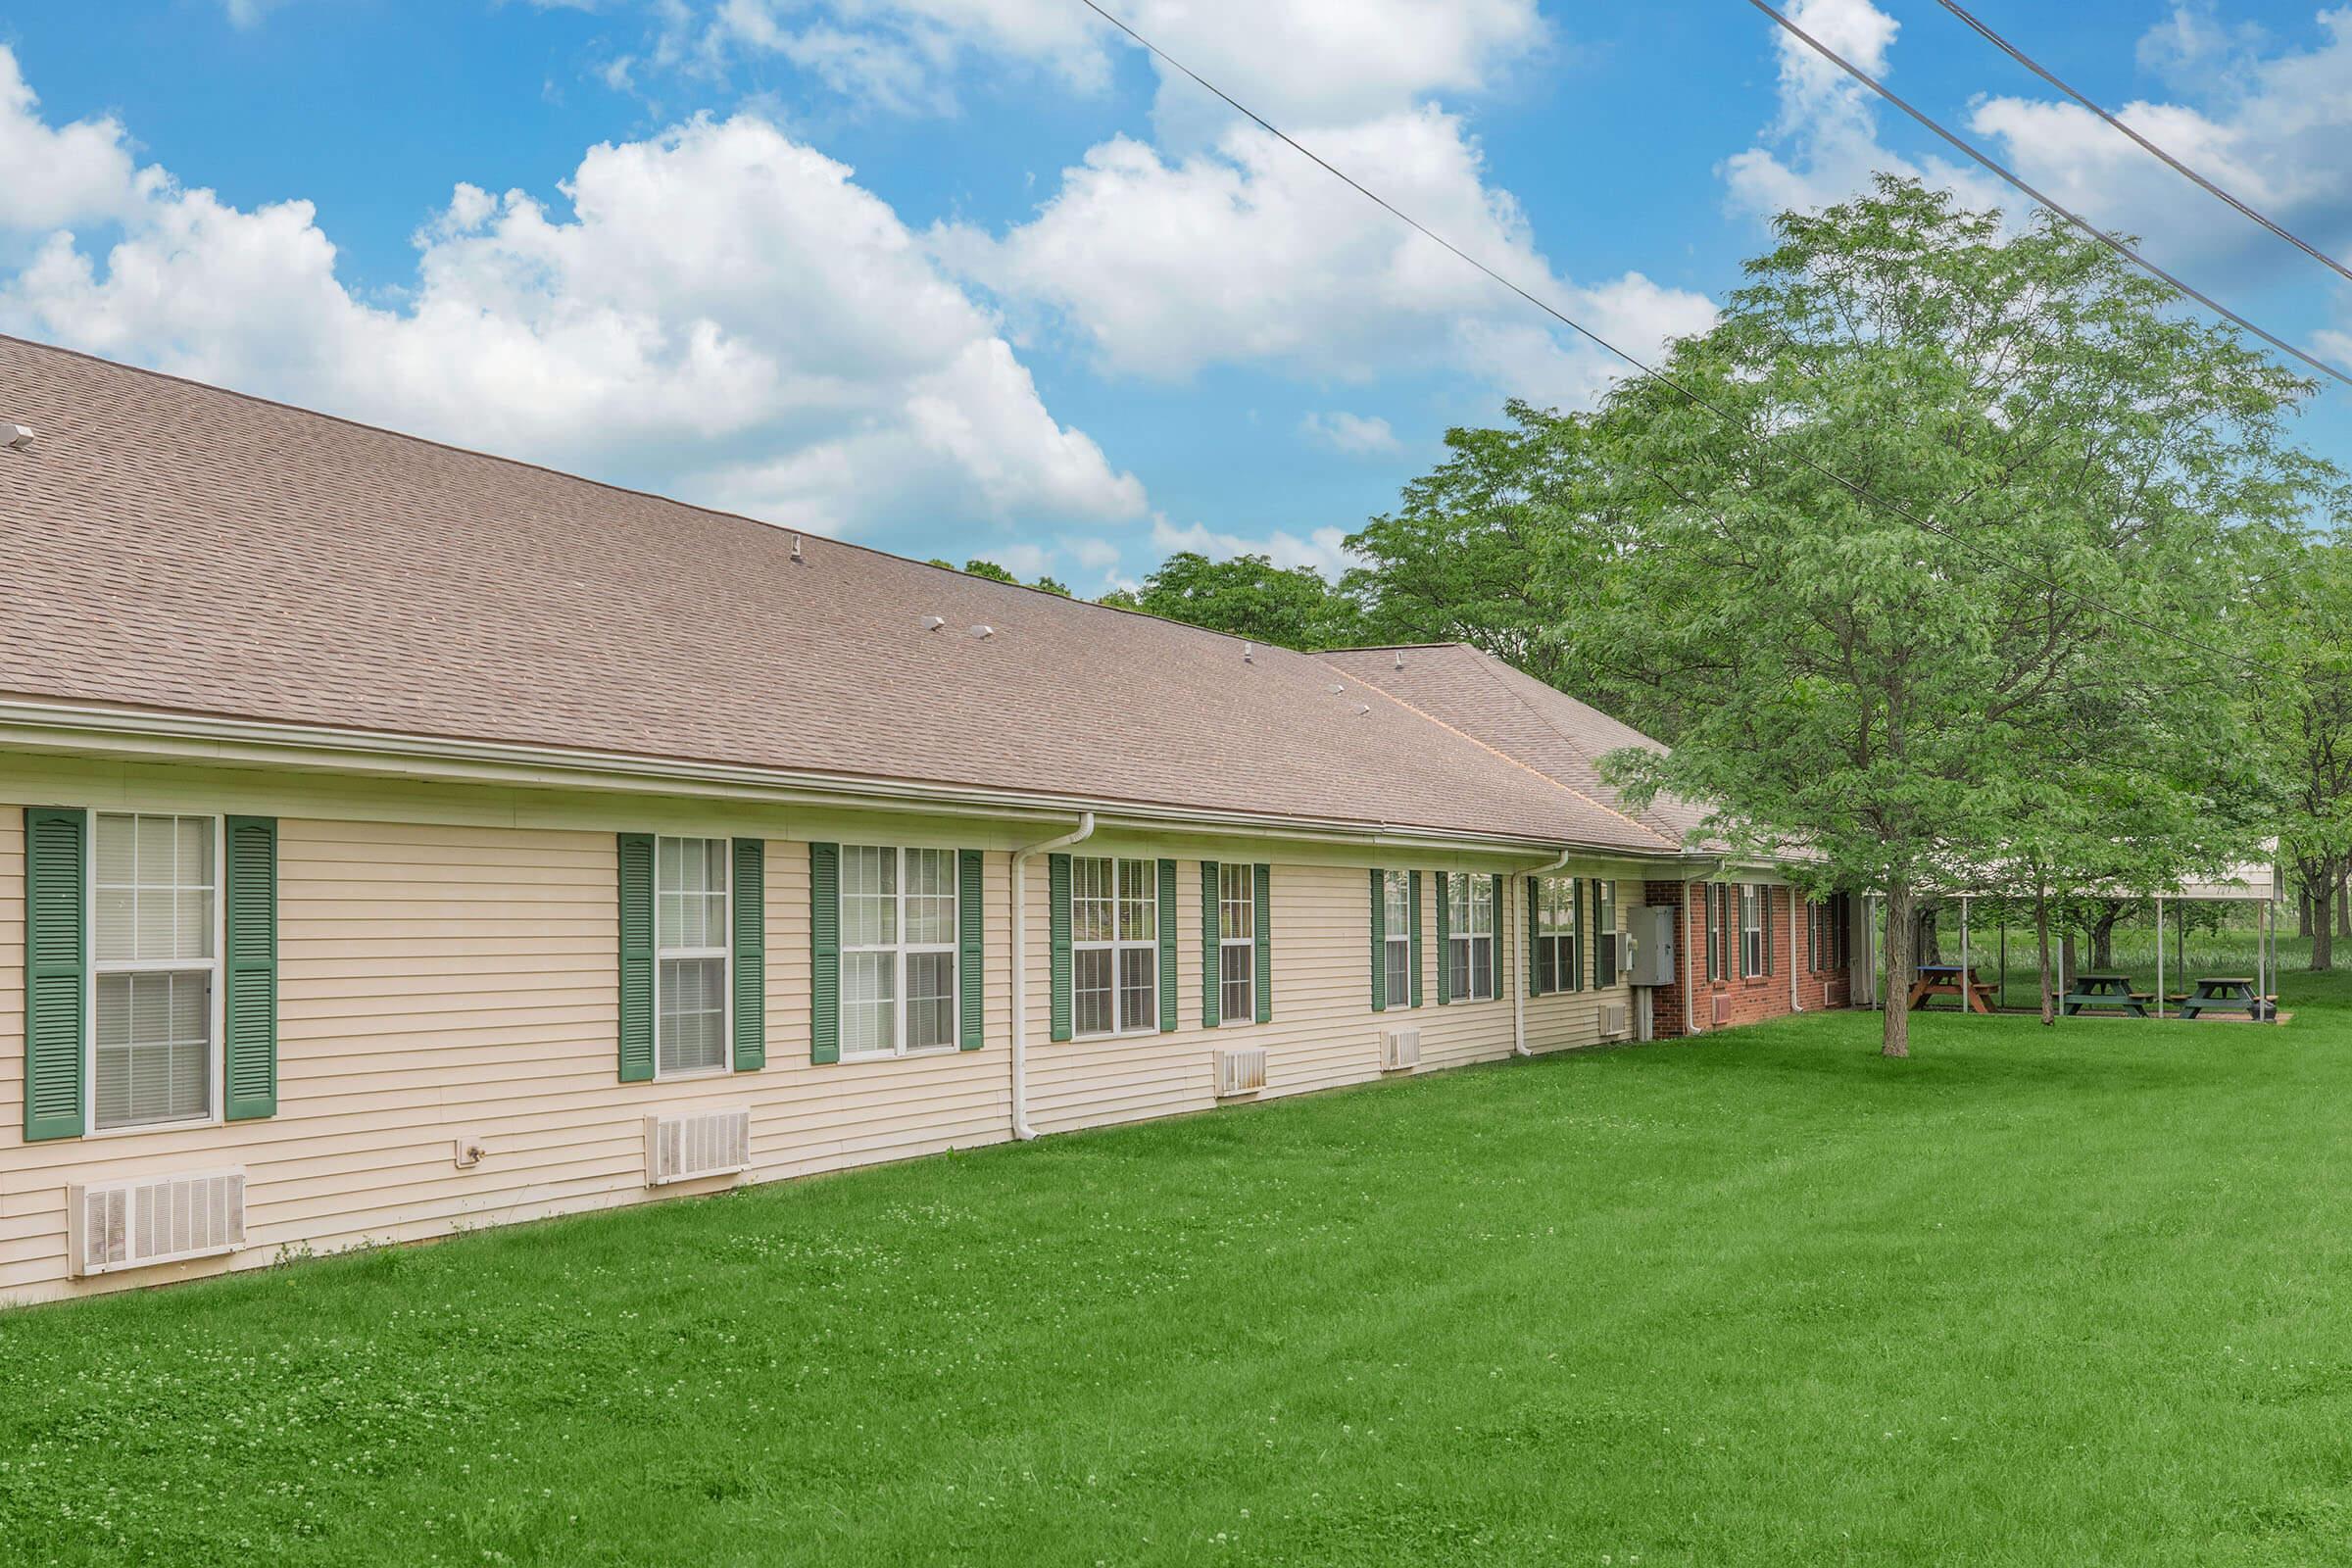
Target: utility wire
{"x":2072,"y":217}
{"x":2147,"y":146}
{"x":1731,"y":421}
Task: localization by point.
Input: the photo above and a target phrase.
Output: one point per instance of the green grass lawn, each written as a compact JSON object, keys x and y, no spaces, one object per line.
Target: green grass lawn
{"x":2034,"y":1297}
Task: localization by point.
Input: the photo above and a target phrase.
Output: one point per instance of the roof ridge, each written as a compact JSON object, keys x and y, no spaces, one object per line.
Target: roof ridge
{"x":1495,"y":751}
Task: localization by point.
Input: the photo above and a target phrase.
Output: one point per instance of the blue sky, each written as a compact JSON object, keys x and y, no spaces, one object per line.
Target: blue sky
{"x":969,"y":277}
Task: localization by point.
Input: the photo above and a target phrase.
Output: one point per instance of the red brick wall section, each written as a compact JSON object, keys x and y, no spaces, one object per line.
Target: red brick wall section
{"x":1743,"y":999}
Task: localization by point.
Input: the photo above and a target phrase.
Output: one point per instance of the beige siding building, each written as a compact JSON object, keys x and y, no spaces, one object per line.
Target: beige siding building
{"x":399,"y":841}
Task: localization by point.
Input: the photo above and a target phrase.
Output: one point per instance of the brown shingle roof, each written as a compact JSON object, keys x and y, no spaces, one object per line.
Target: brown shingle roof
{"x":1503,"y":706}
{"x":176,"y":546}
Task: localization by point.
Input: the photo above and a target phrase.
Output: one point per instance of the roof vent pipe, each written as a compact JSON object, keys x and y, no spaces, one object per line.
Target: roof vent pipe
{"x":1399,"y":658}
{"x":1248,"y":653}
{"x":934,"y":623}
{"x":20,"y":436}
{"x":984,"y":631}
{"x":796,"y":551}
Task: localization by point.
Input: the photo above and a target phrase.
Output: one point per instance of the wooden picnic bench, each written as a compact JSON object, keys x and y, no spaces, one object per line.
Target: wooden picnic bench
{"x":1946,"y":980}
{"x":2107,"y":991}
{"x":2228,"y":993}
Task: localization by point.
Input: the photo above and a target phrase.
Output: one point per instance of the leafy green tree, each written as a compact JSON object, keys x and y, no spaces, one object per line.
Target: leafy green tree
{"x":2302,"y":713}
{"x":1917,"y":700}
{"x":996,"y":573}
{"x":1491,"y":548}
{"x":1247,"y":596}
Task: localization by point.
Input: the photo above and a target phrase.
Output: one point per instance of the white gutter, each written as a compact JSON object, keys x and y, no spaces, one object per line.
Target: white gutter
{"x":1694,"y":934}
{"x":1021,"y":1129}
{"x":1519,"y":991}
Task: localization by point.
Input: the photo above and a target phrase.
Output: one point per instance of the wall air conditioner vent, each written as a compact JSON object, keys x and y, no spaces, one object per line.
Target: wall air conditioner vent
{"x":1616,"y":1021}
{"x":1240,"y":1071}
{"x":163,"y":1219}
{"x":1400,"y":1049}
{"x":688,"y":1146}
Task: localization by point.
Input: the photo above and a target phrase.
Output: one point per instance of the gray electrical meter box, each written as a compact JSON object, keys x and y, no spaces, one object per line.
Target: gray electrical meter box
{"x":1652,"y":931}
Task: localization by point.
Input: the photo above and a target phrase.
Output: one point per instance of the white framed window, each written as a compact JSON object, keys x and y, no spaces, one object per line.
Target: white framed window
{"x":1555,"y":955}
{"x":690,"y":943}
{"x":1470,"y":937}
{"x":898,"y":951}
{"x":1237,"y":942}
{"x":1397,"y":937}
{"x":1751,"y":929}
{"x":1605,"y":932}
{"x":1114,"y":946}
{"x":155,"y":970}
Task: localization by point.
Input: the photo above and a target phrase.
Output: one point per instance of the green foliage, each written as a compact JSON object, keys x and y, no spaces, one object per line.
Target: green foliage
{"x":1918,"y":703}
{"x":1247,"y":596}
{"x":996,"y":573}
{"x":1767,"y":1302}
{"x":2302,"y":715}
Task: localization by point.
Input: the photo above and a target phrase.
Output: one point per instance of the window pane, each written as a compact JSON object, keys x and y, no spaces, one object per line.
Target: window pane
{"x":1090,"y":900}
{"x":1139,"y":901}
{"x":930,"y":1000}
{"x":1089,"y":991}
{"x":1396,"y":903}
{"x":1237,"y":976}
{"x":869,"y":901}
{"x":1399,"y":971}
{"x":1481,"y":968}
{"x":692,"y":1020}
{"x":931,"y":896}
{"x":1237,"y":902}
{"x":153,"y":892}
{"x":1139,"y":993}
{"x":154,"y":1040}
{"x":870,"y":1019}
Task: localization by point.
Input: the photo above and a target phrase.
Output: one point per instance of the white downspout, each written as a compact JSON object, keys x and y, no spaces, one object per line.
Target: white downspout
{"x":1695,"y":933}
{"x":1021,"y":1129}
{"x":1519,"y":991}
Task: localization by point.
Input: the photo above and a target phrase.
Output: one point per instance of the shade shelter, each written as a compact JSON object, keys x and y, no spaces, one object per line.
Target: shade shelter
{"x":2252,"y":882}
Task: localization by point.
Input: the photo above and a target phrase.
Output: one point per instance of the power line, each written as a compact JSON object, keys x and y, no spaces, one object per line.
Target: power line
{"x":2147,"y":146}
{"x":1731,"y":421}
{"x":2067,"y":212}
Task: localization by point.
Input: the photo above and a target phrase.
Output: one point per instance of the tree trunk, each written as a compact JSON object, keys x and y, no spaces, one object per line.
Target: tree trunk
{"x":2344,"y":906}
{"x":2302,"y":912}
{"x":2102,"y":935}
{"x":1931,"y":934}
{"x":2323,"y":927}
{"x":2041,"y":934}
{"x":1894,"y":1022}
{"x":2070,"y":963}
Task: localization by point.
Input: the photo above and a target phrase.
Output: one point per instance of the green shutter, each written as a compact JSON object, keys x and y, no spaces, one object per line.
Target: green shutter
{"x":1444,"y":939}
{"x":56,"y":968}
{"x":1057,"y":923}
{"x":824,"y":953}
{"x":1764,"y":910}
{"x":249,"y":998}
{"x":1533,"y":937}
{"x":1262,"y":877}
{"x":1380,"y":935}
{"x":1167,"y":946}
{"x":1603,"y":976}
{"x":971,"y":951}
{"x":1495,"y":948}
{"x":749,"y":970}
{"x":1413,"y":883}
{"x":1580,"y":944}
{"x":636,"y":957}
{"x":1211,"y":1000}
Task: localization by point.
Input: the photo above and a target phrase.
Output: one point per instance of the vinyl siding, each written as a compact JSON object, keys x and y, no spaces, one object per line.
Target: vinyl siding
{"x":460,"y":977}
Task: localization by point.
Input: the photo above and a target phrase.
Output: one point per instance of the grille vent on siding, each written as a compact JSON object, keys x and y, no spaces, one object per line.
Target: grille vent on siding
{"x":1400,"y":1049}
{"x":168,"y":1220}
{"x":1240,"y":1071}
{"x":686,"y":1146}
{"x":1616,"y":1020}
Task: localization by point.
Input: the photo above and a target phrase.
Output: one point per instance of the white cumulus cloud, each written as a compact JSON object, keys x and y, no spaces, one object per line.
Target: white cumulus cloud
{"x":723,"y":313}
{"x":1356,"y":434}
{"x":1164,"y":266}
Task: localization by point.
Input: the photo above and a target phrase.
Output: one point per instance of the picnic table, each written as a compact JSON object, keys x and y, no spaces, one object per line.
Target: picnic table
{"x":1946,"y":980}
{"x":2107,"y":991}
{"x":2228,"y":993}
